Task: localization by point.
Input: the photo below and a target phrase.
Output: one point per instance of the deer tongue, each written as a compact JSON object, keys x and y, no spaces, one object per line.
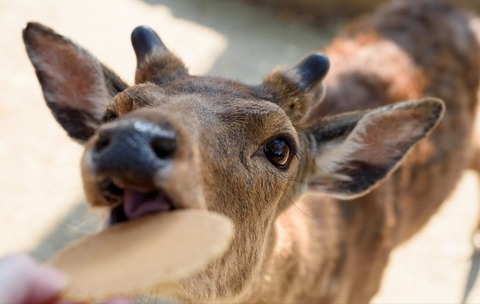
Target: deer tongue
{"x":137,"y":204}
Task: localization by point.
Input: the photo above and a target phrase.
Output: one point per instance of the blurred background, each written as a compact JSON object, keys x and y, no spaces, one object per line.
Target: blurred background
{"x":320,"y":12}
{"x":41,"y":199}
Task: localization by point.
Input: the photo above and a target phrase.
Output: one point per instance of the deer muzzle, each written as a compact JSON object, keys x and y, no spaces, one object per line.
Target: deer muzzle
{"x":127,"y":158}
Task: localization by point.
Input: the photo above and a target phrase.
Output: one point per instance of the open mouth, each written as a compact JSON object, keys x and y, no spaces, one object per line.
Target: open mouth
{"x":132,"y":203}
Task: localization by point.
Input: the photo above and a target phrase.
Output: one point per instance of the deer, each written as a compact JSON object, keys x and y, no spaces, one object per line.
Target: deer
{"x":324,"y":168}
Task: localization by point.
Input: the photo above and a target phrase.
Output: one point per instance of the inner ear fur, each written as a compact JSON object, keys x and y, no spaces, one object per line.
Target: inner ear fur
{"x":355,"y":151}
{"x":299,"y":88}
{"x":76,"y":86}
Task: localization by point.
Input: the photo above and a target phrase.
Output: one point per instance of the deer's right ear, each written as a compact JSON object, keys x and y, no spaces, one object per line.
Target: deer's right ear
{"x":76,"y":86}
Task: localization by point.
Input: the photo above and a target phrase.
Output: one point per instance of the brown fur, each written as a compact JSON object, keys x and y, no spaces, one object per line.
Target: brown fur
{"x":297,"y":239}
{"x":420,"y":54}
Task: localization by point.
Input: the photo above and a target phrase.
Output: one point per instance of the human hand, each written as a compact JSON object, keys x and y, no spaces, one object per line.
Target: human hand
{"x":22,"y":281}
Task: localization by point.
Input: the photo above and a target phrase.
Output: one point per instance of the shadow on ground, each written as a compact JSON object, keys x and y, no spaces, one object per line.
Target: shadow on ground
{"x":250,"y":34}
{"x":472,"y":276}
{"x":79,"y":222}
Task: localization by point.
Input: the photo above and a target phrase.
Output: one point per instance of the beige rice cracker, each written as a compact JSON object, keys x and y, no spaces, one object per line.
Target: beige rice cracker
{"x":143,"y":255}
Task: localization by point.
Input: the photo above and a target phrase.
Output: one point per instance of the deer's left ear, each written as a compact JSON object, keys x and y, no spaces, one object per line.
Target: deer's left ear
{"x":297,"y":89}
{"x":355,"y":151}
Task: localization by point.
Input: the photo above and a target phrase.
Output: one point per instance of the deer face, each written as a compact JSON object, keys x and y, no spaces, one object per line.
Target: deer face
{"x":164,"y":148}
{"x":174,"y":141}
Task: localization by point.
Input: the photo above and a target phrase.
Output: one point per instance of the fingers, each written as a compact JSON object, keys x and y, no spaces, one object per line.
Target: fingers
{"x":22,"y":280}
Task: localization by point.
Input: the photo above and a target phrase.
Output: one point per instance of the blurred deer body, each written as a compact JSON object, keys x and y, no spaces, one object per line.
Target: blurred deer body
{"x":321,"y":184}
{"x":406,"y":50}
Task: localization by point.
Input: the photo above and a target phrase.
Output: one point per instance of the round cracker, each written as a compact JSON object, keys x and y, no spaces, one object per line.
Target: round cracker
{"x":143,"y":254}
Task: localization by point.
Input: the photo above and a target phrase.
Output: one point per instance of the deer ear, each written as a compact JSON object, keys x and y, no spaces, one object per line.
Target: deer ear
{"x":155,"y":63}
{"x":76,"y":86}
{"x":298,"y":88}
{"x":355,"y":151}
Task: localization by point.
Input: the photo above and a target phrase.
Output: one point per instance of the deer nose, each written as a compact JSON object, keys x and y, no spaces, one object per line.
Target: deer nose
{"x":133,"y":148}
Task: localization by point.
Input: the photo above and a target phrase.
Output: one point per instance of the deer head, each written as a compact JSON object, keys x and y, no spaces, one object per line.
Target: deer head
{"x":174,"y":140}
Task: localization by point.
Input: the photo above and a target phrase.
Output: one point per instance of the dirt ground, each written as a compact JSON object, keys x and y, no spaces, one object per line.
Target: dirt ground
{"x":41,"y":202}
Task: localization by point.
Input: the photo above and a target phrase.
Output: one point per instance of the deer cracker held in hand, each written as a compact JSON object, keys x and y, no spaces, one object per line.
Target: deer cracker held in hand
{"x":307,"y":182}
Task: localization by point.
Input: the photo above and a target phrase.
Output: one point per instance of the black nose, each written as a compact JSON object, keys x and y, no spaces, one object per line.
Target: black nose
{"x":135,"y":148}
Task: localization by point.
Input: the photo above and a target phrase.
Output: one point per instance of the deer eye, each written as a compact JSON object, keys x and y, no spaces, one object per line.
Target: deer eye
{"x":108,"y":116}
{"x":278,"y":152}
